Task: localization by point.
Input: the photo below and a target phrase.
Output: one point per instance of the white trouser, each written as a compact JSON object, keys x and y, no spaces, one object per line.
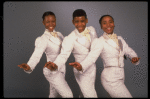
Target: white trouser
{"x":58,"y":84}
{"x":112,"y":79}
{"x":86,"y":82}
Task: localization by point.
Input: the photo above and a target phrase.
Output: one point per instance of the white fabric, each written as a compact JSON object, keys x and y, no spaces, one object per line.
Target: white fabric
{"x":51,"y":46}
{"x":79,"y":45}
{"x":112,"y":76}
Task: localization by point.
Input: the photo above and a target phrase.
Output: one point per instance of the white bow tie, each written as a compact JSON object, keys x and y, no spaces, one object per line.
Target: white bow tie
{"x":86,"y":33}
{"x":54,"y":34}
{"x":114,"y":37}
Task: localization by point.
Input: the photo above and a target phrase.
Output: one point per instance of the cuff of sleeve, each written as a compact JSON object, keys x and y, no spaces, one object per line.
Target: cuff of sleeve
{"x":54,"y":72}
{"x":48,"y":72}
{"x":81,"y":72}
{"x":137,"y":63}
{"x":29,"y":71}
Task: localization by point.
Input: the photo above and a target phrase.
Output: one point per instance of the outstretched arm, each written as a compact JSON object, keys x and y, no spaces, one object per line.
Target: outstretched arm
{"x":130,"y":53}
{"x":96,"y":48}
{"x":40,"y":46}
{"x":67,"y":47}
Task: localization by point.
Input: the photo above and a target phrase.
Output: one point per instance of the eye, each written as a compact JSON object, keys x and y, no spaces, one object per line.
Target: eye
{"x":111,"y":21}
{"x":76,"y":21}
{"x":104,"y":23}
{"x":47,"y":22}
{"x":82,"y":20}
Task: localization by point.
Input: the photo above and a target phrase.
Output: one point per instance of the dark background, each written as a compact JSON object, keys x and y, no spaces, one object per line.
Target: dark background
{"x":22,"y":24}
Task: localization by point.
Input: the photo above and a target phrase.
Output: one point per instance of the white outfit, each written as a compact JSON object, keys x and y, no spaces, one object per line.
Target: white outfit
{"x":51,"y":46}
{"x":79,"y":45}
{"x":112,"y":76}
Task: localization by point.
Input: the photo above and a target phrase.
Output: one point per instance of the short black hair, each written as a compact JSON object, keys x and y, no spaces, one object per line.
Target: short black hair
{"x":100,"y":20}
{"x":47,"y":13}
{"x":79,"y":12}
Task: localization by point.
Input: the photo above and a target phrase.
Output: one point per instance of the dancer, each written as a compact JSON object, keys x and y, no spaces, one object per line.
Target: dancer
{"x":50,"y":43}
{"x":78,"y":42}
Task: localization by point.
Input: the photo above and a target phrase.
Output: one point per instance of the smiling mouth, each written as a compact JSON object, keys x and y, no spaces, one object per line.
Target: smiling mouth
{"x":51,"y":27}
{"x":108,"y":28}
{"x":80,"y":28}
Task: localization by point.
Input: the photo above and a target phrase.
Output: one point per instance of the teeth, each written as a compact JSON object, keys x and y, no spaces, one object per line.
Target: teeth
{"x":51,"y":27}
{"x":108,"y":28}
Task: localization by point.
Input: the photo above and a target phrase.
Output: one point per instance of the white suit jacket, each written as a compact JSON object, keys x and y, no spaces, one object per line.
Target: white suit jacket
{"x":77,"y":44}
{"x":48,"y":44}
{"x":110,"y":52}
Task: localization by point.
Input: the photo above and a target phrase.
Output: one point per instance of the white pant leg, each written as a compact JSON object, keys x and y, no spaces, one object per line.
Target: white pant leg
{"x":113,"y":82}
{"x":86,"y":82}
{"x":53,"y":92}
{"x":57,"y":80}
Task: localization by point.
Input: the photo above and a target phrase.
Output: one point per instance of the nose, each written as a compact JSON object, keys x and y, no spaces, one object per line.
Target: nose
{"x":50,"y":24}
{"x":79,"y":23}
{"x":108,"y":24}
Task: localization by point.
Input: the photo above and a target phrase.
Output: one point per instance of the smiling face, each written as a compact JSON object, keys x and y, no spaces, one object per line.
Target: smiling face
{"x":50,"y":22}
{"x":80,"y":23}
{"x":107,"y":24}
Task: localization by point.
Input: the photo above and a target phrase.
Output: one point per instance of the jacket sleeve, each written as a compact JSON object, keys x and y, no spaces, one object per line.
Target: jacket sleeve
{"x":96,"y":49}
{"x":60,"y":35}
{"x":129,"y":52}
{"x":40,"y":46}
{"x":67,"y":47}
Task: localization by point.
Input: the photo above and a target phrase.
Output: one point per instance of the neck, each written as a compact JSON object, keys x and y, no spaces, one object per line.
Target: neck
{"x":83,"y":30}
{"x":49,"y":30}
{"x":109,"y":33}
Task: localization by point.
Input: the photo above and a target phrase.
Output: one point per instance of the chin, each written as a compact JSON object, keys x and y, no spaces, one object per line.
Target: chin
{"x":51,"y":30}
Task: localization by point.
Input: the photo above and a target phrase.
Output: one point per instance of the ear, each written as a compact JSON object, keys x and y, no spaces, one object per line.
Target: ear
{"x":87,"y":20}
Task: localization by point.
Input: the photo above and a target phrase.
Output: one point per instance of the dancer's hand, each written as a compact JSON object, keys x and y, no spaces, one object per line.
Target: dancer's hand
{"x":76,"y":65}
{"x":24,"y":66}
{"x":135,"y":59}
{"x":50,"y":65}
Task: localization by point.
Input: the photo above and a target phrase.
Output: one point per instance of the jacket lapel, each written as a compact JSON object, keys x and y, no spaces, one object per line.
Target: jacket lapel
{"x":81,"y":39}
{"x":111,"y":42}
{"x":57,"y":41}
{"x":120,"y":44}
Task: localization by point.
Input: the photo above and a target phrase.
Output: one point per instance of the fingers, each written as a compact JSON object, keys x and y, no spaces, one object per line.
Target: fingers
{"x":135,"y":59}
{"x":50,"y":65}
{"x":73,"y":63}
{"x":20,"y":66}
{"x":23,"y":65}
{"x":76,"y":65}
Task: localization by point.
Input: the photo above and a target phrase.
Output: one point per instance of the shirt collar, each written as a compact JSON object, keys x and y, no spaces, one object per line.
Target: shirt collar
{"x":48,"y":32}
{"x":106,"y":35}
{"x":79,"y":34}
